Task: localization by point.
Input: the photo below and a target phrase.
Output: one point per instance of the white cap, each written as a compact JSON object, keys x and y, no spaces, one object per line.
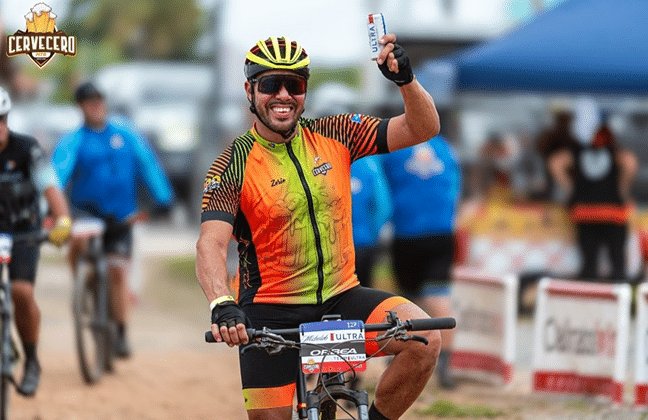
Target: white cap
{"x":587,"y":120}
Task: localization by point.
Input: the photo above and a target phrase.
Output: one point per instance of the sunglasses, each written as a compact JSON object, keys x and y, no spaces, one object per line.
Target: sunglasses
{"x":271,"y":84}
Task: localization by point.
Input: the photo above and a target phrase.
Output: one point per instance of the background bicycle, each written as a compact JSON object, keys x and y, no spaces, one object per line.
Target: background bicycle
{"x":9,"y":348}
{"x":93,"y":324}
{"x":331,"y":358}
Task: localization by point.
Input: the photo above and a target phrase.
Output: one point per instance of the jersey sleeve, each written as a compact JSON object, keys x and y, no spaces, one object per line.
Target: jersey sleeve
{"x":65,"y":156}
{"x":222,"y":189}
{"x":150,"y":170}
{"x":363,"y":135}
{"x":42,"y":171}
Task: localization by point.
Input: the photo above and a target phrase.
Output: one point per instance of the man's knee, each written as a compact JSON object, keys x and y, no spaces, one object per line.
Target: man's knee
{"x":279,"y":413}
{"x":426,"y":355}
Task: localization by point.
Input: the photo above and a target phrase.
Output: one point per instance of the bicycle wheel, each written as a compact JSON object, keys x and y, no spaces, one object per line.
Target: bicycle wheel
{"x":328,"y":410}
{"x":91,"y":332}
{"x":8,"y":360}
{"x":4,"y":389}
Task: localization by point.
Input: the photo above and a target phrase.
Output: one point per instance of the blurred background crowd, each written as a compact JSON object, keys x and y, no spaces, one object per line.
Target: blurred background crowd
{"x":506,"y":76}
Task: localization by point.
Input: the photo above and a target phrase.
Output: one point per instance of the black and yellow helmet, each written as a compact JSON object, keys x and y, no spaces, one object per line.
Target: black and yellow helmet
{"x":273,"y":54}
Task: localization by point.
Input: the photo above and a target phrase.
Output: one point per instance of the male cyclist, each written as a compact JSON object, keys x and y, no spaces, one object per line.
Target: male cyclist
{"x":101,"y":164}
{"x":25,"y":176}
{"x":283,"y":191}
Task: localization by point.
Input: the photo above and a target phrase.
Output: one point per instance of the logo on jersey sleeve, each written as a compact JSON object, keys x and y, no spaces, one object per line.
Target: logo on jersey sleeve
{"x":212,"y":184}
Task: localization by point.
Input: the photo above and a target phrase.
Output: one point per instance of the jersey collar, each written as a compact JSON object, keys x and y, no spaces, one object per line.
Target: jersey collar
{"x":276,"y":146}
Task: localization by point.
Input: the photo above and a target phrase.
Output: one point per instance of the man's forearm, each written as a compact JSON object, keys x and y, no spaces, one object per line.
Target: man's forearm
{"x":56,"y":201}
{"x":211,"y":271}
{"x":420,"y":112}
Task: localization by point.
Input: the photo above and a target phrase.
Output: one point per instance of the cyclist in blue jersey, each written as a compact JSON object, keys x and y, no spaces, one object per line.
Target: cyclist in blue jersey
{"x":25,"y":175}
{"x":101,"y":164}
{"x":372,"y":208}
{"x":425,"y":181}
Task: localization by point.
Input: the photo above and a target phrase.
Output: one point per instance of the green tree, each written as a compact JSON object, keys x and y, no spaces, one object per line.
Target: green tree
{"x":137,"y":29}
{"x":112,"y":31}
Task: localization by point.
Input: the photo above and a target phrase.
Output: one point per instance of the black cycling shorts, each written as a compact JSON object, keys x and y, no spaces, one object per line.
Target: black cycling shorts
{"x":423,"y":265}
{"x":118,"y":239}
{"x":24,"y":261}
{"x":269,"y":381}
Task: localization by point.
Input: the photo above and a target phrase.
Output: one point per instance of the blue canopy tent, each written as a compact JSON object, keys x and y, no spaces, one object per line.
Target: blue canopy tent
{"x":592,"y":46}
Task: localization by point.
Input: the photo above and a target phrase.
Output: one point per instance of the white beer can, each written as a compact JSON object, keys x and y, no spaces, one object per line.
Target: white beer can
{"x":376,"y":26}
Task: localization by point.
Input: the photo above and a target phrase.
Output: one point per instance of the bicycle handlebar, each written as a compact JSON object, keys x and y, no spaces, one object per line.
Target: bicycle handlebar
{"x":446,"y":323}
{"x":29,"y":237}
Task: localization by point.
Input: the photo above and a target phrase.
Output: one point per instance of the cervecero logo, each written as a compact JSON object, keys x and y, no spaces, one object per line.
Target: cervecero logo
{"x":41,"y":40}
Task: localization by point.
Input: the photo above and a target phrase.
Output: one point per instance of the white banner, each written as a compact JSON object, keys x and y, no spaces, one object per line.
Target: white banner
{"x":641,"y":347}
{"x":581,"y":338}
{"x":485,"y":307}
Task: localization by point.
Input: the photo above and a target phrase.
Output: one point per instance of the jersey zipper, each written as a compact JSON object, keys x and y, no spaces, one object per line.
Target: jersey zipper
{"x":311,"y":213}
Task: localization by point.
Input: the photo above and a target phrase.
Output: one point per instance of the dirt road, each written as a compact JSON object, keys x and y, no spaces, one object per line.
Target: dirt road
{"x":175,"y":375}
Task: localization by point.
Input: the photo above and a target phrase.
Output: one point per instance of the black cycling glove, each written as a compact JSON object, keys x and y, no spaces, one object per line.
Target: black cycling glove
{"x":228,"y":314}
{"x":405,"y":74}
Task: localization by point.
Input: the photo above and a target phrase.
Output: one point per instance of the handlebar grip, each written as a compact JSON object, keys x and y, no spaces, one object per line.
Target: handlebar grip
{"x":209,"y":337}
{"x":433,"y":324}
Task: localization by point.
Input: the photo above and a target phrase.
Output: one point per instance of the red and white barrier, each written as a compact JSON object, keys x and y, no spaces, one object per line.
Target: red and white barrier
{"x":485,"y":307}
{"x":641,"y":349}
{"x":581,"y":338}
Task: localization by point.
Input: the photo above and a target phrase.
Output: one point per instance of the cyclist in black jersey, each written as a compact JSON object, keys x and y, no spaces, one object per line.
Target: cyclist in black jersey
{"x":25,"y":175}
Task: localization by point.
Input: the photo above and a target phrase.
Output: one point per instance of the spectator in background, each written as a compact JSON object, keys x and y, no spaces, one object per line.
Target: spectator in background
{"x":596,"y":176}
{"x":101,"y":164}
{"x":372,"y":208}
{"x":498,"y":159}
{"x":558,"y":137}
{"x":425,"y":181}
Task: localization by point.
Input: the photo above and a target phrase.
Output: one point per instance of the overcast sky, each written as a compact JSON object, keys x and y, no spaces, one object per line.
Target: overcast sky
{"x":332,"y":31}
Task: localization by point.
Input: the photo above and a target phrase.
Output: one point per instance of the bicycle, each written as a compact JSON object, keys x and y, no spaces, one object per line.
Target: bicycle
{"x":321,"y":402}
{"x":94,"y":326}
{"x":8,"y":346}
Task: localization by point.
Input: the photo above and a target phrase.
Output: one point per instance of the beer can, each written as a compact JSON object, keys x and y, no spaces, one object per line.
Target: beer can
{"x":376,"y":26}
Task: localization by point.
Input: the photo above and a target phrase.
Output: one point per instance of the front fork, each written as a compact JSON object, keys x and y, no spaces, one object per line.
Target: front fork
{"x":336,"y":389}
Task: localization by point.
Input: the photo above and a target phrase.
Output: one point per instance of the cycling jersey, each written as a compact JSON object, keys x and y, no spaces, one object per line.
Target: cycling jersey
{"x":426,"y":183}
{"x":25,"y":172}
{"x":290,"y":207}
{"x":372,"y":206}
{"x":102,"y":168}
{"x":596,"y":197}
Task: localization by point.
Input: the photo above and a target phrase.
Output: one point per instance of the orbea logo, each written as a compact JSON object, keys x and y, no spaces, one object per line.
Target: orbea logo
{"x":41,"y":41}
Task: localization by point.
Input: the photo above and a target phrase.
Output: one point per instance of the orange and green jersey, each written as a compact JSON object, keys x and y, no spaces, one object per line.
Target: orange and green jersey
{"x":290,"y":207}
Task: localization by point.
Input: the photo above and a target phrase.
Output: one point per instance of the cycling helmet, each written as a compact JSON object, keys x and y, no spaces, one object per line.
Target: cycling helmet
{"x":272,"y":54}
{"x":5,"y":102}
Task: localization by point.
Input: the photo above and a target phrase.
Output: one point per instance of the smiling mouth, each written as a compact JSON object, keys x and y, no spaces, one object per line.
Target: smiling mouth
{"x":282,"y":111}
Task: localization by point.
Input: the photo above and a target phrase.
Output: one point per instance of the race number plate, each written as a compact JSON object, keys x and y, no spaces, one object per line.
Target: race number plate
{"x":5,"y":248}
{"x":332,"y":346}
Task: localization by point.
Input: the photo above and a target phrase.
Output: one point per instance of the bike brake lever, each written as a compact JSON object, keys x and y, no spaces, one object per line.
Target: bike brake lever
{"x":417,"y":338}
